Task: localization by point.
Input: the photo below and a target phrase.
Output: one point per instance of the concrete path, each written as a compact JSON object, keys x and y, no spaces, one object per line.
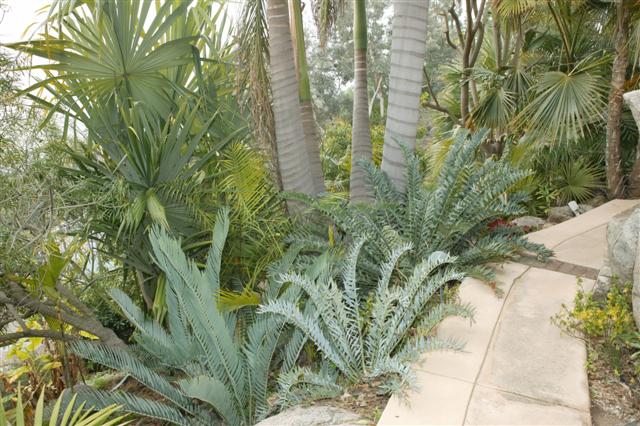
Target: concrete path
{"x":517,"y":367}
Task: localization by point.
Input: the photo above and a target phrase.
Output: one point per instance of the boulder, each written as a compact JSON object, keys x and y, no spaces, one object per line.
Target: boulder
{"x":622,"y":243}
{"x":597,"y":201}
{"x":315,"y":415}
{"x":635,"y":291}
{"x":560,"y":214}
{"x":529,"y":223}
{"x":603,"y":282}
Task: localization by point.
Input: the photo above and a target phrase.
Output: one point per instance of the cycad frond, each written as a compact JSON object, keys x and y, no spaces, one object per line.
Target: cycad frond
{"x":452,"y":212}
{"x":225,"y":366}
{"x":367,"y":343}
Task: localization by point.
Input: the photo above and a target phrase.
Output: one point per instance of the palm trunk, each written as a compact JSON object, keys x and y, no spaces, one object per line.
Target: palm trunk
{"x":408,"y":44}
{"x":614,"y":117}
{"x":293,"y":158}
{"x":633,"y":100}
{"x":360,"y":136}
{"x":311,"y":140}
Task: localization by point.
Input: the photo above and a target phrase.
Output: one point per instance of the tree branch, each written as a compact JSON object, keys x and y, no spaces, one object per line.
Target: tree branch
{"x":9,"y":338}
{"x":447,"y":33}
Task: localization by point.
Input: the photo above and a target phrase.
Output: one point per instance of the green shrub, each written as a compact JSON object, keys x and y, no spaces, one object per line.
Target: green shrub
{"x":607,"y":325}
{"x":335,"y":152}
{"x":63,"y":413}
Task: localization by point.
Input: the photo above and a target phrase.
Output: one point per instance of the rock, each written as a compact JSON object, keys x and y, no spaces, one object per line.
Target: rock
{"x":316,"y":415}
{"x":622,"y":243}
{"x":560,"y":214}
{"x":597,"y":201}
{"x":529,"y":223}
{"x":603,"y":282}
{"x":635,"y":290}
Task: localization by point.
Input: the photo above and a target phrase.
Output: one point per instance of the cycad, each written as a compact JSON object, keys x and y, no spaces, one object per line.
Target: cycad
{"x":393,"y":328}
{"x":454,"y":213}
{"x":222,"y":361}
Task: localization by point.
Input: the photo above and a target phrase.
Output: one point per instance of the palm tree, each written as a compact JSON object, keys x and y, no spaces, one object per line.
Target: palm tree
{"x":408,"y":44}
{"x":614,"y":116}
{"x":293,"y":156}
{"x":132,"y":74}
{"x":360,"y":136}
{"x":311,"y":139}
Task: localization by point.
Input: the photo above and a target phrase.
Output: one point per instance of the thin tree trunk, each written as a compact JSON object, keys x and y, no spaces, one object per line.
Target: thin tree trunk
{"x":309,"y":127}
{"x":614,"y":117}
{"x":360,"y":134}
{"x":292,"y":152}
{"x":633,"y":100}
{"x":408,"y":47}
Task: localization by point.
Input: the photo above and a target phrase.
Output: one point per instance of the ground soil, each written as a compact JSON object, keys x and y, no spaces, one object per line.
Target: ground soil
{"x":615,"y":398}
{"x":364,"y":400}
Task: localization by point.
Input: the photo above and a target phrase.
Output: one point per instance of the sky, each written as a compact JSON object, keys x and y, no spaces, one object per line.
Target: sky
{"x":19,"y":16}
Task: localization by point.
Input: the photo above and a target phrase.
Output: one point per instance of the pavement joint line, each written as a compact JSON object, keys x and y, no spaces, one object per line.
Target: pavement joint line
{"x":533,"y":398}
{"x":493,"y":331}
{"x":445,"y":376}
{"x":556,"y":265}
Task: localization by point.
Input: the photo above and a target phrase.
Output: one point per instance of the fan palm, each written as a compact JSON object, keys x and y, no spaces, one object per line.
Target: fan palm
{"x":155,"y":111}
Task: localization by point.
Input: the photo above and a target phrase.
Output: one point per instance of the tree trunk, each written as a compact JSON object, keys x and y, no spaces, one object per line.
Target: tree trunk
{"x":360,"y":136}
{"x":309,"y":127}
{"x":633,"y":100}
{"x":408,"y":47}
{"x":614,"y":117}
{"x":293,"y":158}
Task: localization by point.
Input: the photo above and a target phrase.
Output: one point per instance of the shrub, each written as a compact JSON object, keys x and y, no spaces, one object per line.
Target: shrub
{"x":607,"y":325}
{"x":336,"y":153}
{"x":62,"y":414}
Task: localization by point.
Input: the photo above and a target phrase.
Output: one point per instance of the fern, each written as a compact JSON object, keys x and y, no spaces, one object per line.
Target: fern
{"x":453,"y":213}
{"x":367,"y":343}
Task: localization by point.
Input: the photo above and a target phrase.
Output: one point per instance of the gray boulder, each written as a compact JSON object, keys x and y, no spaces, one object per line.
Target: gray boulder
{"x":622,"y":243}
{"x":316,"y":415}
{"x":603,"y":282}
{"x":635,"y":291}
{"x":529,"y":222}
{"x":560,"y":214}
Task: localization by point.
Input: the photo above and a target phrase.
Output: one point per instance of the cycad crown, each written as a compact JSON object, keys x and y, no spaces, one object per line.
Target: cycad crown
{"x":219,"y":363}
{"x":452,"y":214}
{"x":396,"y":326}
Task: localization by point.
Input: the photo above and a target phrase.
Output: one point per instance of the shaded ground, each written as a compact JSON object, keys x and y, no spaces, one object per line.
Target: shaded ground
{"x":364,"y":400}
{"x":615,"y":399}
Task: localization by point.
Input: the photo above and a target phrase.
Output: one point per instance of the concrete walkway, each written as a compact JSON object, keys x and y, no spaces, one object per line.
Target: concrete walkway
{"x":517,"y":367}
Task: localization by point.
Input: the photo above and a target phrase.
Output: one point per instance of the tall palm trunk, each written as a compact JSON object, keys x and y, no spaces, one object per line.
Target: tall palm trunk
{"x":293,"y":158}
{"x":309,"y":127}
{"x":614,"y":117}
{"x":360,"y":136}
{"x":408,"y":45}
{"x":633,"y":100}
